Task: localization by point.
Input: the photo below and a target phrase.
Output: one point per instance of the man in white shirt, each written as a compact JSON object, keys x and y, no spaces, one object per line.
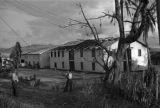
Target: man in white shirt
{"x":68,"y":82}
{"x":14,"y":80}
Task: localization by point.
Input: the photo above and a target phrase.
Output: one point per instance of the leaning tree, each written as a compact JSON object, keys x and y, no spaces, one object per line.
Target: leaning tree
{"x":139,"y":14}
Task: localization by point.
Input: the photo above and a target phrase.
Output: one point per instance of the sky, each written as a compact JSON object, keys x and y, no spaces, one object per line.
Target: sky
{"x":39,"y":21}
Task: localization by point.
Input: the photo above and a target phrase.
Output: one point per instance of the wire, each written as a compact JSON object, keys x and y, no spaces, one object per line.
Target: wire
{"x":5,"y":22}
{"x":42,"y":10}
{"x":39,"y":9}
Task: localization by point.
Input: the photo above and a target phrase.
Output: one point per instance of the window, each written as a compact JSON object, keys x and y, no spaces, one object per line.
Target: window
{"x":81,"y":52}
{"x":58,"y":53}
{"x":139,"y":52}
{"x":81,"y":65}
{"x":93,"y":66}
{"x":51,"y":54}
{"x":93,"y":52}
{"x":55,"y":65}
{"x":55,"y":54}
{"x":62,"y":64}
{"x":62,"y":53}
{"x":22,"y":61}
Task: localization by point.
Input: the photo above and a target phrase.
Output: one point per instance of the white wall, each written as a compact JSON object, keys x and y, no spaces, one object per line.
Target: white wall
{"x":45,"y":60}
{"x":30,"y":58}
{"x":138,"y":62}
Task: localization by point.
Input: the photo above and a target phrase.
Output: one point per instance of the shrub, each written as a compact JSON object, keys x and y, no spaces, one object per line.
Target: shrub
{"x":9,"y":102}
{"x":92,"y":93}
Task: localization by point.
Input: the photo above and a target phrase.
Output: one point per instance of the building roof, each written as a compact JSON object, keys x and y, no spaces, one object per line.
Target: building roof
{"x":89,"y":42}
{"x":86,"y":43}
{"x":36,"y":52}
{"x":77,"y":44}
{"x":141,"y":43}
{"x":155,"y":49}
{"x":72,"y":43}
{"x":110,"y":41}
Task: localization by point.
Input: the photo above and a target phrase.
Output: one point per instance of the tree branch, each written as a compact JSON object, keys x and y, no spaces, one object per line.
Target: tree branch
{"x":132,"y":21}
{"x":77,"y":21}
{"x":105,"y":15}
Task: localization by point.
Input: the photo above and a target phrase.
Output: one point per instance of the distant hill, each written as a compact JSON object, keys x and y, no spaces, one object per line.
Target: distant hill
{"x":29,"y":48}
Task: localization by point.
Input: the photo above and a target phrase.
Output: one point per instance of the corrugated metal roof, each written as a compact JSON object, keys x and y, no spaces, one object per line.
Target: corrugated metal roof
{"x":72,"y":43}
{"x":85,"y":43}
{"x":77,"y":44}
{"x":155,"y":49}
{"x":37,"y":51}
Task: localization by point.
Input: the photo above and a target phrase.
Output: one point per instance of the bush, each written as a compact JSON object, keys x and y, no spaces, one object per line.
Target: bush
{"x":9,"y":102}
{"x":92,"y":94}
{"x":136,"y":89}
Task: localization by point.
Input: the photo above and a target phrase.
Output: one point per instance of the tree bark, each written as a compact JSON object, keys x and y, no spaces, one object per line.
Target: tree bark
{"x":158,"y":17}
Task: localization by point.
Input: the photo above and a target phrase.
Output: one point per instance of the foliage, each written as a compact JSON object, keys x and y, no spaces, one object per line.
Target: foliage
{"x":9,"y":102}
{"x":140,"y":15}
{"x":93,"y":93}
{"x":139,"y":88}
{"x":16,"y":54}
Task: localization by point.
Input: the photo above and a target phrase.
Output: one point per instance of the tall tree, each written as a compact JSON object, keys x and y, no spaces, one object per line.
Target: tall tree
{"x":16,"y":55}
{"x":140,"y":14}
{"x":158,"y":17}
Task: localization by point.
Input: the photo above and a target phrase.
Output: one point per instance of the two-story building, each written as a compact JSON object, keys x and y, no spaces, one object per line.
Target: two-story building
{"x":82,"y":55}
{"x":77,"y":55}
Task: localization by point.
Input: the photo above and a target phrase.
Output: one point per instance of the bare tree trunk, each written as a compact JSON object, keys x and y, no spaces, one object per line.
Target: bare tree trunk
{"x":158,"y":17}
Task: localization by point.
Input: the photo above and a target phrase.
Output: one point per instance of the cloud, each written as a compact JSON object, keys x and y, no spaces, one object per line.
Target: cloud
{"x":37,"y":21}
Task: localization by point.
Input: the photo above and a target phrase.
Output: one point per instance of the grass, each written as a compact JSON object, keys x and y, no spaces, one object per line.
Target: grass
{"x":87,"y":93}
{"x":11,"y":102}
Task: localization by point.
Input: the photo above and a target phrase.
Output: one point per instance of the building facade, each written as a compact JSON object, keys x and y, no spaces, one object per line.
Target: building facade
{"x":77,"y":56}
{"x":36,"y":59}
{"x":83,"y":56}
{"x":136,"y":55}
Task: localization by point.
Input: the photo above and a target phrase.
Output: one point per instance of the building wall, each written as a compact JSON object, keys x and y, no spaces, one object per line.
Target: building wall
{"x":87,"y":60}
{"x":138,"y":62}
{"x":59,"y":60}
{"x":30,"y":58}
{"x":45,"y":60}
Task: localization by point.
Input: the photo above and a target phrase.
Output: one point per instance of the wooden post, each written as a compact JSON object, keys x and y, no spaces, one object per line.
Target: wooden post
{"x":157,"y":85}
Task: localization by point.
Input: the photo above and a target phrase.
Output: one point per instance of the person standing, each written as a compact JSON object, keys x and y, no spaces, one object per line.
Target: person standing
{"x":68,"y":82}
{"x":14,"y":81}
